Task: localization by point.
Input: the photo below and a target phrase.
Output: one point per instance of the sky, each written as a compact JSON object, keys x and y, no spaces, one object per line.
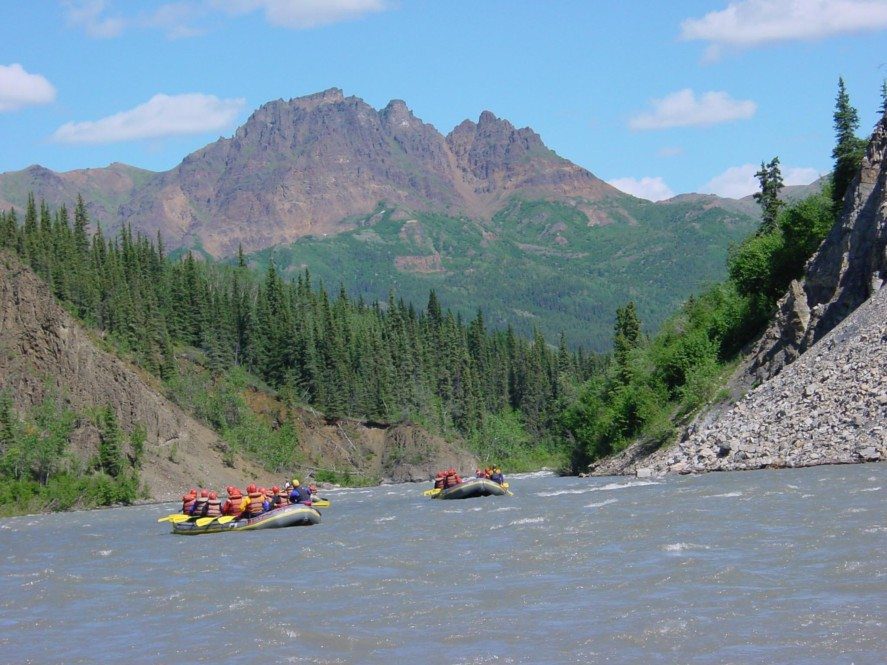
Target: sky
{"x":657,"y":98}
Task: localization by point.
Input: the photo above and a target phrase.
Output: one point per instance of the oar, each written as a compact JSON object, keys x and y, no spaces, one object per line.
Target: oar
{"x":224,"y":519}
{"x":321,"y":503}
{"x":432,"y":493}
{"x":175,"y":518}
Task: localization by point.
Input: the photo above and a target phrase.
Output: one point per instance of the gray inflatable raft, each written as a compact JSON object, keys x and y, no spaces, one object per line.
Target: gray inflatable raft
{"x":469,"y":489}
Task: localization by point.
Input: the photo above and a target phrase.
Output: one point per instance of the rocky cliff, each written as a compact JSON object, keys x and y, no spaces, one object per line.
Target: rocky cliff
{"x":821,"y":366}
{"x":42,"y":348}
{"x":847,"y":269}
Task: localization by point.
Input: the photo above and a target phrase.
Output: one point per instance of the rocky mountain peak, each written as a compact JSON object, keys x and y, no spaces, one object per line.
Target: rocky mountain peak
{"x":329,"y":96}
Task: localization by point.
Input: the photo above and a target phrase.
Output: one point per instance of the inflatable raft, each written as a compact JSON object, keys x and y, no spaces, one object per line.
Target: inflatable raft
{"x":468,"y":489}
{"x":279,"y":518}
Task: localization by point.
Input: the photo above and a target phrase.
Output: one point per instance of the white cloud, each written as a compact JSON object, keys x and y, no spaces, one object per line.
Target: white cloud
{"x":18,"y":88}
{"x":683,"y":109}
{"x":748,"y":23}
{"x":300,"y":14}
{"x":739,"y":181}
{"x":652,"y":189}
{"x":91,"y":15}
{"x":162,"y":115}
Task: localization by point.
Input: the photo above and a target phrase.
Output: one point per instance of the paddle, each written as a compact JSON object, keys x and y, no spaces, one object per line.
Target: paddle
{"x":175,"y":518}
{"x":321,"y":503}
{"x":432,"y":493}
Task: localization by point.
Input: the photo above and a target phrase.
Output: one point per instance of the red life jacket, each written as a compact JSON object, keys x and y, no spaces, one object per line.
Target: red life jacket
{"x":188,"y":501}
{"x":438,"y":483}
{"x":255,"y":503}
{"x":232,"y":506}
{"x":213,"y":508}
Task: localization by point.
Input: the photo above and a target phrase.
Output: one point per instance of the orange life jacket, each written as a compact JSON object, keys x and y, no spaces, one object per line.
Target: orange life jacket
{"x":188,"y":501}
{"x":233,"y":506}
{"x":214,"y":508}
{"x":439,"y":483}
{"x":255,"y":503}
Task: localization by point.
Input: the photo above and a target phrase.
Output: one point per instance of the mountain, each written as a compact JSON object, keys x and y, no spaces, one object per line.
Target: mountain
{"x":379,"y":200}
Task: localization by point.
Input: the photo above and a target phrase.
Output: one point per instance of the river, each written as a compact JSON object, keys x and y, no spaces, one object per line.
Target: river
{"x":767,"y":567}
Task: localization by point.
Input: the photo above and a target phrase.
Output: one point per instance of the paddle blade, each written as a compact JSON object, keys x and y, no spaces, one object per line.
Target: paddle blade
{"x":203,"y":521}
{"x":505,"y":485}
{"x":168,"y":518}
{"x":179,"y":518}
{"x":321,"y":503}
{"x":226,"y":519}
{"x":433,"y":492}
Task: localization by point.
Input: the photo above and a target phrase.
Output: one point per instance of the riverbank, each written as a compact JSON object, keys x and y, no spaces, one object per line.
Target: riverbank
{"x":828,"y":407}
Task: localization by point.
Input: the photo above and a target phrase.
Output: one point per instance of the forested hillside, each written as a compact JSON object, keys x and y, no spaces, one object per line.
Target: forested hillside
{"x":382,"y":362}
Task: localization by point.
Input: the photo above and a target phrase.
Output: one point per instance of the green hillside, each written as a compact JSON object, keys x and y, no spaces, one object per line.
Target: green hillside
{"x":535,"y":264}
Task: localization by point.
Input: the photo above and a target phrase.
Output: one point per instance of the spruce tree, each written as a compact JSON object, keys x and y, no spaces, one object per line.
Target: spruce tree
{"x":770,"y":178}
{"x":849,"y":149}
{"x":110,"y":447}
{"x":626,"y":337}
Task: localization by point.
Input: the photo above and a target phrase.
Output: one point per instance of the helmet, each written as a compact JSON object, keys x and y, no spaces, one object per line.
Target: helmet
{"x":204,"y":494}
{"x":213,"y":495}
{"x":234,"y":493}
{"x":251,"y":488}
{"x":275,"y":489}
{"x":295,"y":482}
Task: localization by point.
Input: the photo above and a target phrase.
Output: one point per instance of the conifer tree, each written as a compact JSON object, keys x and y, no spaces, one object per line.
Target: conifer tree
{"x":626,"y":337}
{"x":849,"y":149}
{"x":770,"y":178}
{"x":110,"y":447}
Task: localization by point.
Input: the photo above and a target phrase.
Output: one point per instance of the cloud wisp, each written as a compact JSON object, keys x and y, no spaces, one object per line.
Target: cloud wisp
{"x":652,"y":189}
{"x":685,"y":109}
{"x":739,"y":181}
{"x":19,"y":89}
{"x":162,"y":115}
{"x":303,"y":14}
{"x":101,"y":19}
{"x":92,"y":16}
{"x":750,"y":23}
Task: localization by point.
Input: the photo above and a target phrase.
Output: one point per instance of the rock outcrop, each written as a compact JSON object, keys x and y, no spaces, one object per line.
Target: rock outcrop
{"x":42,"y":349}
{"x":827,"y":407}
{"x":823,"y":361}
{"x":847,"y":269}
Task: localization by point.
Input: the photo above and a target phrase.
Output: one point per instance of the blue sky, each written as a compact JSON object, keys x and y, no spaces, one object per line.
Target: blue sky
{"x":659,"y":98}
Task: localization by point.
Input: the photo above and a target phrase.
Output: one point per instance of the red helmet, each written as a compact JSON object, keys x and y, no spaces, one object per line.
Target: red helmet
{"x":213,"y":495}
{"x":275,"y":489}
{"x":251,"y":488}
{"x":192,"y":492}
{"x":204,"y":494}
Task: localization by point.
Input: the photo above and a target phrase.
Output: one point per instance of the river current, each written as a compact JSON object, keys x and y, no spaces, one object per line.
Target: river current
{"x":754,"y":567}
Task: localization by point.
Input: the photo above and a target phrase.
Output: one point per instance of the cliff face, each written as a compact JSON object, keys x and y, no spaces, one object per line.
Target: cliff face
{"x":847,"y":269}
{"x":821,"y":366}
{"x":42,"y":348}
